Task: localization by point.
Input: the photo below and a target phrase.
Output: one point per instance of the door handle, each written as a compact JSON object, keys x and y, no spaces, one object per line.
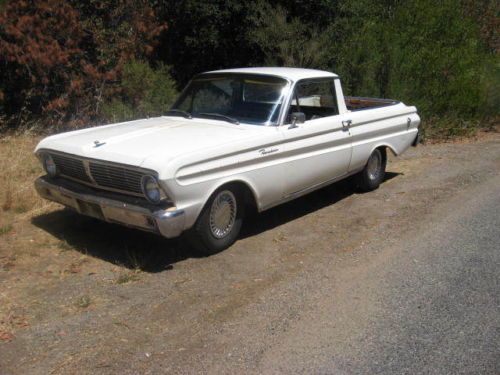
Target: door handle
{"x":346,"y":124}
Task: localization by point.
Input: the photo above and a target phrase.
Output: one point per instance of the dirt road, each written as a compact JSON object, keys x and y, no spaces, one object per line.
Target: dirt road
{"x":401,"y":280}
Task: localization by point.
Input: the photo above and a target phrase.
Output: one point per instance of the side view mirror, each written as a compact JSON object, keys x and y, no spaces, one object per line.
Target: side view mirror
{"x":297,"y":118}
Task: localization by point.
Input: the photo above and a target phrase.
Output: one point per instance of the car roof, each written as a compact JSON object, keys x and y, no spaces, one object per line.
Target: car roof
{"x":293,"y":74}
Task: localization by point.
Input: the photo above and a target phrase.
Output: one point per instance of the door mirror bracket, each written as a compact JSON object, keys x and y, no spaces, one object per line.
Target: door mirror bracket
{"x":297,"y":118}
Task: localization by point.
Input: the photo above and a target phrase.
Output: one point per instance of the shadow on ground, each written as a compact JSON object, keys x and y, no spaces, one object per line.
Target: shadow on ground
{"x":148,"y":252}
{"x":258,"y":223}
{"x":130,"y":248}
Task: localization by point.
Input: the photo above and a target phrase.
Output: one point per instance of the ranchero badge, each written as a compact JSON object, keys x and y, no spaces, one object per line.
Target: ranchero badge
{"x":266,"y":151}
{"x":98,"y":144}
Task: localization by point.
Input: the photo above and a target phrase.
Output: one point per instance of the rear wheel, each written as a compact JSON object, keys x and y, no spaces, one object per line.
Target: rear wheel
{"x":220,"y":221}
{"x":373,"y":173}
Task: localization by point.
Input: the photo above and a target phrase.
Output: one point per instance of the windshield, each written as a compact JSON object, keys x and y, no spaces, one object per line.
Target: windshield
{"x":245,"y":98}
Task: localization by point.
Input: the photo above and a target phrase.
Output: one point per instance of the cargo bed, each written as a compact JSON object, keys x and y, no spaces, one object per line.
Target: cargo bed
{"x":355,"y":103}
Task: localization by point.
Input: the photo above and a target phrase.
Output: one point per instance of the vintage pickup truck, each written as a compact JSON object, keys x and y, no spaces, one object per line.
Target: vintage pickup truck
{"x":234,"y":138}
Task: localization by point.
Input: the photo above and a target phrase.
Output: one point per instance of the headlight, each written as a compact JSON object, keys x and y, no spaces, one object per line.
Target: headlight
{"x":49,"y":165}
{"x":151,"y":189}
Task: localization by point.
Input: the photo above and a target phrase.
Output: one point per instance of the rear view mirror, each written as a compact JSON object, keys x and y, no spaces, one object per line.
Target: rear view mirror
{"x":297,"y":118}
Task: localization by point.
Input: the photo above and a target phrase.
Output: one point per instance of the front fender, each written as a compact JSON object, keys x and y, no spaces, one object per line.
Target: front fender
{"x":192,"y":197}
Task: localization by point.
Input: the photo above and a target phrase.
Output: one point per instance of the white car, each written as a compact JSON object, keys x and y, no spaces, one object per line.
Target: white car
{"x":259,"y":136}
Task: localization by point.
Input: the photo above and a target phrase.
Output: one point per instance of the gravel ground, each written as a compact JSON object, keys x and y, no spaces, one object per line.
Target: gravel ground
{"x":402,"y":280}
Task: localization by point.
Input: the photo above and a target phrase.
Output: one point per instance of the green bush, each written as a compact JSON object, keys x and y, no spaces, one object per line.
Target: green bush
{"x":437,"y":58}
{"x":422,"y":52}
{"x":144,"y":92}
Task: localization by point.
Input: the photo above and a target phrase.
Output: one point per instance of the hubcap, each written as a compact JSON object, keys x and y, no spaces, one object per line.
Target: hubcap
{"x":374,"y":166}
{"x":223,"y":214}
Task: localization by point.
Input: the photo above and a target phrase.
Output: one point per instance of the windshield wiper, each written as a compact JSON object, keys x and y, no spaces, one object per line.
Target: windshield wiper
{"x":218,"y":115}
{"x":180,"y":112}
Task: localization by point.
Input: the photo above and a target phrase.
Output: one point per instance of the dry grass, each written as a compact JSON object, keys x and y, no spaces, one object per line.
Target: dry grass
{"x":20,"y":168}
{"x":19,"y":202}
{"x":32,"y":258}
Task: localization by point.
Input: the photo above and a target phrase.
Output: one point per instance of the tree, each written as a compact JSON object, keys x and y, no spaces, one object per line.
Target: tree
{"x":41,"y":57}
{"x":61,"y":59}
{"x":204,"y":35}
{"x":285,"y":40}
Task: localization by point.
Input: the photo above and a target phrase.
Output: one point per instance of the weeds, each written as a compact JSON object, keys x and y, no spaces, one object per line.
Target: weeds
{"x":127,"y":278}
{"x":21,"y":209}
{"x":83,"y":302}
{"x":134,"y":259}
{"x":5,"y":229}
{"x":446,"y":128}
{"x":64,"y":245}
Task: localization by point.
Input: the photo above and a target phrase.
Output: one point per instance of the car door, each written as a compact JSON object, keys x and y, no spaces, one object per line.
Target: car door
{"x":318,"y":150}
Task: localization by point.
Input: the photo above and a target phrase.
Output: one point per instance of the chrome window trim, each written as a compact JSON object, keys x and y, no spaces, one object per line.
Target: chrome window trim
{"x":289,"y":86}
{"x":292,"y":93}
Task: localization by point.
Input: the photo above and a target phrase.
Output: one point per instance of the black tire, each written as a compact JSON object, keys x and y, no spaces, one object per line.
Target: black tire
{"x":373,"y":173}
{"x":208,"y":236}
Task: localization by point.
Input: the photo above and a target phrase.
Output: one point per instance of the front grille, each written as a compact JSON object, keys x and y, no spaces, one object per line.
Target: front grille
{"x":116,"y":177}
{"x":71,"y":167}
{"x":104,"y":176}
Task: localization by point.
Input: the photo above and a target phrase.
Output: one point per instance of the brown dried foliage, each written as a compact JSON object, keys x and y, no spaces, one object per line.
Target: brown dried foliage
{"x":60,"y":59}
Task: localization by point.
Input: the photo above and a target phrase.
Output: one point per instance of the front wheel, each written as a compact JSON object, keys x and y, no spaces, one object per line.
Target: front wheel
{"x":219,"y":223}
{"x":373,"y":173}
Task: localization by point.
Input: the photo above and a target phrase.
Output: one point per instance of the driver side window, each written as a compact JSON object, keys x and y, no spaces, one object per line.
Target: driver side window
{"x":315,"y":98}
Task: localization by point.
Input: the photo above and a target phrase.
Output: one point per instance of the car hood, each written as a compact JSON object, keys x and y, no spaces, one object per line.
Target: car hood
{"x":158,"y":138}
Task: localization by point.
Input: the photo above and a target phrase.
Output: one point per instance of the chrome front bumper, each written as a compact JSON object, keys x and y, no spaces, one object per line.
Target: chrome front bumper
{"x":168,"y":221}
